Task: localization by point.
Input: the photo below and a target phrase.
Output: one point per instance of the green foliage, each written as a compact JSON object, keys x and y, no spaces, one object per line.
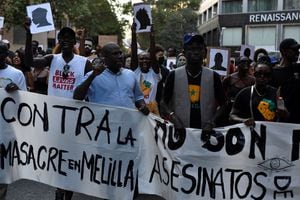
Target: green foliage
{"x":96,"y":16}
{"x":171,"y":19}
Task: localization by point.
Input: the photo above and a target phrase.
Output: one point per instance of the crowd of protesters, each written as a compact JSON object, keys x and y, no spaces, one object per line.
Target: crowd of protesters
{"x":187,"y":93}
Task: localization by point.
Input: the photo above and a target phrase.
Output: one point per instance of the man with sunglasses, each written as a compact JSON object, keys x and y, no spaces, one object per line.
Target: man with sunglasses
{"x":256,"y":102}
{"x":66,"y":71}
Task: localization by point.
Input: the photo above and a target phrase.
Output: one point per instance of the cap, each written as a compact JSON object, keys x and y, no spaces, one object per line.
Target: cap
{"x":66,"y":30}
{"x":289,"y":43}
{"x":188,"y":37}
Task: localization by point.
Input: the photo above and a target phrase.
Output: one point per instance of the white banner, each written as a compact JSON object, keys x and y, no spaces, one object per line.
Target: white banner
{"x":70,"y":144}
{"x":102,"y":151}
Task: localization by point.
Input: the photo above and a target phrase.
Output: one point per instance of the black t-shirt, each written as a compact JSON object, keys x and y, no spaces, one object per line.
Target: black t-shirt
{"x":263,"y":107}
{"x":290,"y":91}
{"x":280,"y":75}
{"x":194,"y":91}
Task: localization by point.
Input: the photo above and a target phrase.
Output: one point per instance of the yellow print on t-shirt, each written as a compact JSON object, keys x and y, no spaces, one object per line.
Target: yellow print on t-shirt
{"x":194,"y":92}
{"x":267,"y":109}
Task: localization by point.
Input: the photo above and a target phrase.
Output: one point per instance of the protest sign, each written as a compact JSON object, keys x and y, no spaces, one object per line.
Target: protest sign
{"x":218,"y":60}
{"x":102,"y":151}
{"x":142,"y":17}
{"x":41,"y":17}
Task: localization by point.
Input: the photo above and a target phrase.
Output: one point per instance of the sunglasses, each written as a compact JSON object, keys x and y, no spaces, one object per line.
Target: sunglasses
{"x":263,"y":74}
{"x":144,"y":59}
{"x":66,"y":70}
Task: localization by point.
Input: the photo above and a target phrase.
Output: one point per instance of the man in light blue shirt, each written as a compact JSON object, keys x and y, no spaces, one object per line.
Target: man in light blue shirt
{"x":111,"y":84}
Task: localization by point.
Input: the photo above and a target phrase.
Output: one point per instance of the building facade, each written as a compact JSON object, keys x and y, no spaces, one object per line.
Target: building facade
{"x":261,"y":23}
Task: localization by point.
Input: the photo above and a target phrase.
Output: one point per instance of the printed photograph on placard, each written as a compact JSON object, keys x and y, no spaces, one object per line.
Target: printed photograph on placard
{"x":142,"y":17}
{"x":218,"y":59}
{"x":247,"y":51}
{"x":41,"y":18}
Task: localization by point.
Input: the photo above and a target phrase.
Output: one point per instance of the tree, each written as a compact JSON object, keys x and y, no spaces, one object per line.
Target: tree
{"x":97,"y":16}
{"x":171,"y":19}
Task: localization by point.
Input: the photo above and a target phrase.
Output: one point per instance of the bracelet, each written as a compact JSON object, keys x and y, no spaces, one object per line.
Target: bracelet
{"x":171,"y":113}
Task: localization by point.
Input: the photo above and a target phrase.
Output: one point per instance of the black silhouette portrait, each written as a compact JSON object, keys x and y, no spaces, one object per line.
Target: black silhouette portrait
{"x":218,"y":62}
{"x":143,"y":17}
{"x":247,"y":52}
{"x":39,"y":17}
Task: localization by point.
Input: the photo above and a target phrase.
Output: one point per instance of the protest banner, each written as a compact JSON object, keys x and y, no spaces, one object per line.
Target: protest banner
{"x":69,"y":144}
{"x":102,"y":151}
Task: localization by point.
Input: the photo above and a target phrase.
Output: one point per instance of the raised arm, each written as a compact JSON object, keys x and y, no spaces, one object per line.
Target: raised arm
{"x":81,"y":34}
{"x":154,"y":63}
{"x":134,"y":57}
{"x":29,"y":60}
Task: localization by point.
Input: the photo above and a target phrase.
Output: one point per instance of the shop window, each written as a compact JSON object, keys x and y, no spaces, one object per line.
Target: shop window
{"x":292,"y":32}
{"x":231,"y":37}
{"x":262,"y":36}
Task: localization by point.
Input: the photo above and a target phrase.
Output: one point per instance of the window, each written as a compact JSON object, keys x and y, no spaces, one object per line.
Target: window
{"x":209,"y":13}
{"x":292,"y":32}
{"x":262,"y":5}
{"x":200,"y":19}
{"x":291,"y":4}
{"x":215,"y":9}
{"x":231,"y":37}
{"x":19,"y":35}
{"x":262,"y":36}
{"x":232,"y":6}
{"x":205,"y":16}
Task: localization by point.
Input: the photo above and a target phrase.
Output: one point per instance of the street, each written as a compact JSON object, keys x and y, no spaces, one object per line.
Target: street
{"x":30,"y":190}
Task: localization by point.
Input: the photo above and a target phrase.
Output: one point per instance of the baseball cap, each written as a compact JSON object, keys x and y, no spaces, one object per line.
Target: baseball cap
{"x":189,"y":37}
{"x":66,"y":30}
{"x":289,"y":43}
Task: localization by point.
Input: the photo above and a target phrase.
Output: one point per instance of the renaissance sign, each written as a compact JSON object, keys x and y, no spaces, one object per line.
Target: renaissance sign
{"x":102,"y":151}
{"x":276,"y":17}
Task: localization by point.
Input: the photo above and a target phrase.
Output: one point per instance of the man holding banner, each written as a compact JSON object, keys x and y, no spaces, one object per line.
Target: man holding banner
{"x":66,"y":71}
{"x":110,"y":84}
{"x":11,"y":79}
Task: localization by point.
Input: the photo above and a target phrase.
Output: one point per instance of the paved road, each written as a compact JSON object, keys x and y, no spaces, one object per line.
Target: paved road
{"x":30,"y":190}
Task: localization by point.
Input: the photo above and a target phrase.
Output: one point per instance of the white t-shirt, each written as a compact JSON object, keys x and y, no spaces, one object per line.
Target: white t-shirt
{"x":148,"y":83}
{"x":11,"y":74}
{"x":59,"y":85}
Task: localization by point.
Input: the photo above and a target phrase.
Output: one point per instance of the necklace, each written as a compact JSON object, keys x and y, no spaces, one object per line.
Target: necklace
{"x":259,"y":94}
{"x":193,"y":76}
